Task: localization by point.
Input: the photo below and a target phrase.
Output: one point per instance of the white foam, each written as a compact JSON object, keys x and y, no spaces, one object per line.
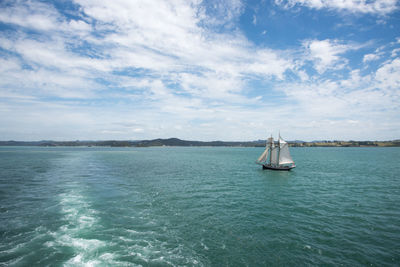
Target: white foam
{"x":204,"y":246}
{"x":132,"y":231}
{"x":79,"y":260}
{"x":49,"y":244}
{"x":87,"y":244}
{"x":105,"y":259}
{"x":15,"y":248}
{"x":14,"y":261}
{"x":107,"y":256}
{"x":75,"y":260}
{"x":86,"y":221}
{"x":125,"y":239}
{"x":140,"y":256}
{"x":80,"y":218}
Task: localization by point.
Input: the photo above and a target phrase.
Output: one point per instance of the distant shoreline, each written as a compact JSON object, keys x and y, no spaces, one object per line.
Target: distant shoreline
{"x":179,"y":142}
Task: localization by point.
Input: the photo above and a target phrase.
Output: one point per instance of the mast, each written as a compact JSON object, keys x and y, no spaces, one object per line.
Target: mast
{"x":279,"y":147}
{"x":271,"y":145}
{"x":274,"y":154}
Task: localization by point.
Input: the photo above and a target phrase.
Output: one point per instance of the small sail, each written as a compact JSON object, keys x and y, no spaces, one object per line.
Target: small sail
{"x":264,"y":155}
{"x":284,"y":154}
{"x":274,"y":155}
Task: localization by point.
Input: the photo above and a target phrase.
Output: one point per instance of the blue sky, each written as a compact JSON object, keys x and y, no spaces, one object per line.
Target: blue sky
{"x":199,"y":70}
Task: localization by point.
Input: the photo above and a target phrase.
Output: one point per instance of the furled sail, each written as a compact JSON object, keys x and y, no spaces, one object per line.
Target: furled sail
{"x":284,"y":154}
{"x":264,"y":155}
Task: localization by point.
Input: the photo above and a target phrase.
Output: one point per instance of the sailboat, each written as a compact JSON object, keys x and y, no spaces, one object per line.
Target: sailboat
{"x":276,"y":156}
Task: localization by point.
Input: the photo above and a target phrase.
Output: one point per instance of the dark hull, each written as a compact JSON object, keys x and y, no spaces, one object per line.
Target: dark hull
{"x":277,"y":168}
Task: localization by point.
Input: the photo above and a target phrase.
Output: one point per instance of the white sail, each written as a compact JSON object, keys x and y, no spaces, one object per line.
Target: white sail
{"x":274,"y":155}
{"x":264,"y":155}
{"x":284,"y":154}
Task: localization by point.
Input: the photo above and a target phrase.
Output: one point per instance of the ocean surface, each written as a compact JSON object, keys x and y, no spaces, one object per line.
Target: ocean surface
{"x":198,"y":206}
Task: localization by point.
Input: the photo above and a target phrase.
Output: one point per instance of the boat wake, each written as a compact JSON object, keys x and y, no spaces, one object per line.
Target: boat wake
{"x":77,"y":235}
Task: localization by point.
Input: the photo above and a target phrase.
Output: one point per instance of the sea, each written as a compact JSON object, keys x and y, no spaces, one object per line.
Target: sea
{"x":198,"y":206}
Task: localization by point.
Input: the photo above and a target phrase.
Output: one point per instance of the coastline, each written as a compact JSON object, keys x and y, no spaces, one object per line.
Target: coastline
{"x":186,"y":143}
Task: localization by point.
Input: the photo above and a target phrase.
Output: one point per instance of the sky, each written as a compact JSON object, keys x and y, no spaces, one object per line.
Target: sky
{"x":199,"y":70}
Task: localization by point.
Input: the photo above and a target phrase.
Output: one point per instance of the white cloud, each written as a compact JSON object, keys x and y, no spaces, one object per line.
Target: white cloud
{"x":79,"y":25}
{"x":378,"y":54}
{"x":331,"y":109}
{"x":370,"y":57}
{"x":388,"y":77}
{"x":326,"y":54}
{"x":30,"y":14}
{"x":159,"y":37}
{"x":162,"y":65}
{"x":41,"y":17}
{"x":331,"y":106}
{"x":395,"y":52}
{"x":380,"y":7}
{"x":268,"y":62}
{"x":166,"y":38}
{"x":221,"y":13}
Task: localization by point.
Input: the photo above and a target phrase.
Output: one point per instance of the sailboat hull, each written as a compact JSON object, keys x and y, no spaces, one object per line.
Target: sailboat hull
{"x":278,"y":168}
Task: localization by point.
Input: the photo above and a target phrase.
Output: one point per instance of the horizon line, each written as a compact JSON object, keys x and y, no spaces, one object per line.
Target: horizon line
{"x":159,"y":138}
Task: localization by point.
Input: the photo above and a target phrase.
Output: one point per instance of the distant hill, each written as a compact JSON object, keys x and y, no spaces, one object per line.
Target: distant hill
{"x":142,"y":143}
{"x":179,"y":142}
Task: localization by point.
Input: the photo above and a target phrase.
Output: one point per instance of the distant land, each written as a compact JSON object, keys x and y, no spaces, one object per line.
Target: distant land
{"x":179,"y":142}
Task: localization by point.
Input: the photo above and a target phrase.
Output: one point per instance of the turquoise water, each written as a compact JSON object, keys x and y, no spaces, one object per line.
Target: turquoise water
{"x":171,"y":206}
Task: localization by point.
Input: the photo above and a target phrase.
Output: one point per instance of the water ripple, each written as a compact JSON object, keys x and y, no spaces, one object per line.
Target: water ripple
{"x":198,"y":207}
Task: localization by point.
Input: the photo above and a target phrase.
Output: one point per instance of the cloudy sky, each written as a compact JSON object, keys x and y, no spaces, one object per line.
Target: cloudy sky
{"x":199,"y":70}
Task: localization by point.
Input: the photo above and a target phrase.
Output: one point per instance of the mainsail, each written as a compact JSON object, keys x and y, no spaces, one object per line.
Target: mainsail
{"x":274,"y":156}
{"x":284,"y":154}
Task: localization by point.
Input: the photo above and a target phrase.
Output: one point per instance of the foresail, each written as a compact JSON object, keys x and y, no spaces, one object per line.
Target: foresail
{"x":263,"y":156}
{"x":284,"y":154}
